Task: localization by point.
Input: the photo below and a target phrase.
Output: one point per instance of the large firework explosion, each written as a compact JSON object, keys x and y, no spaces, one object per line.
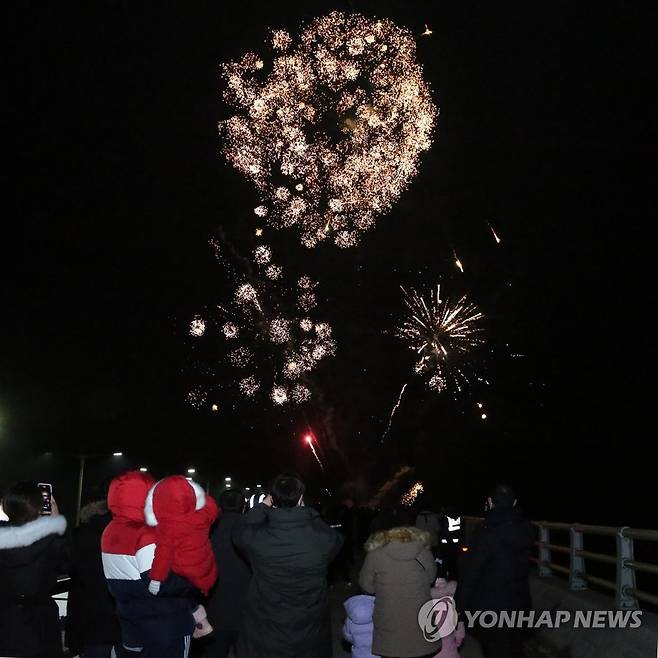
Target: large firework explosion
{"x":443,"y":334}
{"x":331,"y":130}
{"x":264,"y":341}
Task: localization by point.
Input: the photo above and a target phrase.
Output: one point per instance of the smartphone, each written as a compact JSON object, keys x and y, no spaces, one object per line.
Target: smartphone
{"x":46,"y":490}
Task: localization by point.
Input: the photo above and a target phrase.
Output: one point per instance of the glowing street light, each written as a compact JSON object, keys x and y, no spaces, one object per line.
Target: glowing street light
{"x":143,"y":469}
{"x":191,"y":471}
{"x":117,"y":454}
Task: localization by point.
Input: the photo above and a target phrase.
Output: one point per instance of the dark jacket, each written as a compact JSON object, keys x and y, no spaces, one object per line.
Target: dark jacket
{"x":128,"y":547}
{"x":227,"y":597}
{"x":31,"y":558}
{"x":90,"y":616}
{"x":286,"y":611}
{"x":495,"y":572}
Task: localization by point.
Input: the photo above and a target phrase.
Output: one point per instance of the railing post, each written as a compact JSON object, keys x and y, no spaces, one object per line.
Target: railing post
{"x":577,"y":562}
{"x":625,"y":574}
{"x":544,"y":554}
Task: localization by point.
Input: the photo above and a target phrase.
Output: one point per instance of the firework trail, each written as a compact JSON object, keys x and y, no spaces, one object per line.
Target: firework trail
{"x":409,"y":497}
{"x":309,"y":441}
{"x":390,"y":419}
{"x":442,"y":334}
{"x":331,"y":131}
{"x":458,"y":263}
{"x":495,"y":235}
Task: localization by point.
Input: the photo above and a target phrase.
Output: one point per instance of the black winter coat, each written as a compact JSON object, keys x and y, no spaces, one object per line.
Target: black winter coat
{"x":495,"y":572}
{"x":91,"y":616}
{"x":31,"y":558}
{"x":227,"y":597}
{"x":286,"y":611}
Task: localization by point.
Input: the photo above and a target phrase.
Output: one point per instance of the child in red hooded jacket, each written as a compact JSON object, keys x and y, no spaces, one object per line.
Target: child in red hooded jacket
{"x":182,"y":515}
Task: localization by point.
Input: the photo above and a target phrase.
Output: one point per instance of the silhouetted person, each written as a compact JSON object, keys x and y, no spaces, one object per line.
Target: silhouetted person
{"x":92,"y":626}
{"x":495,"y":572}
{"x":227,"y":598}
{"x":32,"y":555}
{"x":289,"y":547}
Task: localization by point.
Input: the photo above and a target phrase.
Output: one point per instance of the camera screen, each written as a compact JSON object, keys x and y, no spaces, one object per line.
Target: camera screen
{"x":46,"y":497}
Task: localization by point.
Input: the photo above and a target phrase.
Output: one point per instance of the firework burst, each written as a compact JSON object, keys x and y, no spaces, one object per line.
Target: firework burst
{"x":264,"y":340}
{"x":443,"y":334}
{"x":332,"y":132}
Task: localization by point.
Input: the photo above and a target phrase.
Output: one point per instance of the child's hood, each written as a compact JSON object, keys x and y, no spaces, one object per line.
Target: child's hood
{"x":443,"y":587}
{"x":360,"y":608}
{"x":173,"y":498}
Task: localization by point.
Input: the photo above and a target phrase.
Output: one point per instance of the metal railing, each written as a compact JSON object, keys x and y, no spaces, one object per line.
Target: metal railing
{"x":627,"y":595}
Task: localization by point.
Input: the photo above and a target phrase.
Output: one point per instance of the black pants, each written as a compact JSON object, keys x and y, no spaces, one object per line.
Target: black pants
{"x":221,"y":644}
{"x":501,"y":642}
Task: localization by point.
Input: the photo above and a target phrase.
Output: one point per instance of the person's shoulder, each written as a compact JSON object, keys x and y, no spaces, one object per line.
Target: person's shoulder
{"x":126,"y":537}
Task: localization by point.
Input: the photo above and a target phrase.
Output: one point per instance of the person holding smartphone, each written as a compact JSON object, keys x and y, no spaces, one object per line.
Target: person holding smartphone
{"x":289,"y":548}
{"x":32,"y":555}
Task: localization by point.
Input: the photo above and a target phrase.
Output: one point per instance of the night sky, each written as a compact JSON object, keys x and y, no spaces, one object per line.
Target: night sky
{"x":117,"y":182}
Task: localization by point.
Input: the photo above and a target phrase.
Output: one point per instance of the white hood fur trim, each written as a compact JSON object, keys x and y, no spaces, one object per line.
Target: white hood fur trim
{"x":149,"y":514}
{"x":17,"y":536}
{"x":199,"y":493}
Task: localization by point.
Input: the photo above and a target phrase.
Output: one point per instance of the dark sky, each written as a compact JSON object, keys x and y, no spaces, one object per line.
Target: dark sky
{"x":547,"y":130}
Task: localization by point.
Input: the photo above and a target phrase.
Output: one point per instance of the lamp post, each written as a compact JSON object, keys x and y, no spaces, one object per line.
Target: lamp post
{"x":81,"y":479}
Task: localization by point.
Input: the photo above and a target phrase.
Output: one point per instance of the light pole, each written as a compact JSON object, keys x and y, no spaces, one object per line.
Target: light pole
{"x":81,"y":479}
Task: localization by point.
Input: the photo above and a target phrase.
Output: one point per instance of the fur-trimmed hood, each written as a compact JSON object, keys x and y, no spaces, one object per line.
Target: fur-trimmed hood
{"x":173,"y":498}
{"x":20,"y":536}
{"x":95,"y":508}
{"x":402,"y":543}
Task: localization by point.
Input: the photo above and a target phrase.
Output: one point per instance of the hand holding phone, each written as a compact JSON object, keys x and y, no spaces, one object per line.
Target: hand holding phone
{"x":46,"y":490}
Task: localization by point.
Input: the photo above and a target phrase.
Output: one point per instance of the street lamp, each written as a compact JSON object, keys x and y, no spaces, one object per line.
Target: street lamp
{"x":81,"y":479}
{"x":143,"y":469}
{"x":191,"y":471}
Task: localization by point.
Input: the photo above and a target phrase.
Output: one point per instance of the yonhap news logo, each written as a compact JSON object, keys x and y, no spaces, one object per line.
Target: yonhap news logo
{"x":554,"y":619}
{"x":438,"y":618}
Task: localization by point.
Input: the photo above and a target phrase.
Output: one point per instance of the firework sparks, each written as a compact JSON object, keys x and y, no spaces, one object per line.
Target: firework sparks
{"x":409,"y":497}
{"x":262,"y":255}
{"x":309,"y":441}
{"x":427,"y":32}
{"x":246,"y":294}
{"x":197,"y":327}
{"x":273,"y":272}
{"x":339,"y":123}
{"x":442,"y":334}
{"x":390,"y":418}
{"x":197,"y":397}
{"x":279,"y":395}
{"x":230,"y":330}
{"x":249,"y":386}
{"x":270,"y":341}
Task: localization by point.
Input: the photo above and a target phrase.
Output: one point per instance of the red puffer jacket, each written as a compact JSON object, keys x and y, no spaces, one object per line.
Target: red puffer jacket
{"x":182,"y":515}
